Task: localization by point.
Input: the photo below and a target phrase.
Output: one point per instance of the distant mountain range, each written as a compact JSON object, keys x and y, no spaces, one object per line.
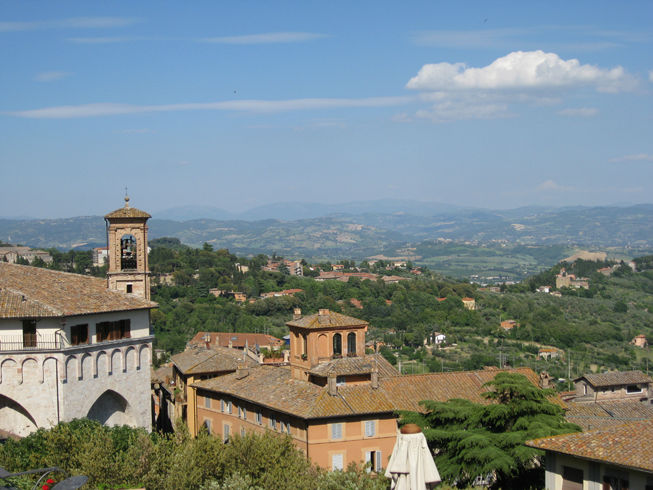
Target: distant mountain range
{"x":289,"y":211}
{"x":366,"y":228}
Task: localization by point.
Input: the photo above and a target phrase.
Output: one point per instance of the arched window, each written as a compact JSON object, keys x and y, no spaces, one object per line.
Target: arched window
{"x":128,"y":254}
{"x":351,"y":344}
{"x":337,"y":345}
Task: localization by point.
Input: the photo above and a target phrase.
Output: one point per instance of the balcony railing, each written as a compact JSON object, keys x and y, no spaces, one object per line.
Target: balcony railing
{"x":32,"y":342}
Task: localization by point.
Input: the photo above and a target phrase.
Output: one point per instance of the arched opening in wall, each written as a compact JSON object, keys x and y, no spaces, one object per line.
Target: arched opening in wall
{"x":111,"y":408}
{"x":128,"y":252}
{"x":337,"y":345}
{"x":351,"y":344}
{"x":322,"y":346}
{"x":14,"y":419}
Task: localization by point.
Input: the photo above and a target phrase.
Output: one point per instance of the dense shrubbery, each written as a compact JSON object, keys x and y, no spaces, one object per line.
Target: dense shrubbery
{"x":474,"y":440}
{"x":119,"y":457}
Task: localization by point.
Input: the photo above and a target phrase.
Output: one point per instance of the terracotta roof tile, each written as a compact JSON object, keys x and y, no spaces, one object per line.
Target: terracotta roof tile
{"x":127,"y":212}
{"x":607,"y":414}
{"x":355,"y":365}
{"x":616,"y":378}
{"x":329,"y":319}
{"x":626,"y":445}
{"x":237,"y":339}
{"x":407,"y":391}
{"x":216,"y":359}
{"x":273,"y":387}
{"x":40,"y":293}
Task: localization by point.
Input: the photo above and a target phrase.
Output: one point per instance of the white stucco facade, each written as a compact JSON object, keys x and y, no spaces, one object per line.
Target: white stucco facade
{"x":53,"y":380}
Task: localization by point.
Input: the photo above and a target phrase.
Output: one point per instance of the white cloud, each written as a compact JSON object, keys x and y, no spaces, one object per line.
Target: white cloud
{"x":638,"y":157}
{"x":102,"y":40}
{"x":266,"y":38}
{"x":553,"y":186}
{"x":72,"y":23}
{"x":451,"y":110}
{"x":269,"y":106}
{"x":520,"y":70}
{"x":50,"y":76}
{"x":579,"y":112}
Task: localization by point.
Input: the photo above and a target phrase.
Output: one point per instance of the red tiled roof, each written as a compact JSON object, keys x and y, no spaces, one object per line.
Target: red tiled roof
{"x":237,"y":340}
{"x":597,"y":415}
{"x":616,"y":378}
{"x":355,"y":365}
{"x":274,"y":387}
{"x":214,"y":360}
{"x":40,"y":293}
{"x":627,"y":445}
{"x":407,"y":391}
{"x":329,"y":319}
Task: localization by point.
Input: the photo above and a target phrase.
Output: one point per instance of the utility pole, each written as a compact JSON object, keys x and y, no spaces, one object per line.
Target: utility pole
{"x":569,"y":370}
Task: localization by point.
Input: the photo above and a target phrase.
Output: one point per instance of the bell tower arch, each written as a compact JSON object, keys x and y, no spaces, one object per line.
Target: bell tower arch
{"x":127,"y":242}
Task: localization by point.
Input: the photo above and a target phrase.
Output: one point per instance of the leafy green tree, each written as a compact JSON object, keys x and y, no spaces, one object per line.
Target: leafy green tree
{"x":472,"y":441}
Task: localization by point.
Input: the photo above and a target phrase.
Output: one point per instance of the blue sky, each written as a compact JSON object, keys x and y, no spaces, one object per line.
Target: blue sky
{"x":239,"y":104}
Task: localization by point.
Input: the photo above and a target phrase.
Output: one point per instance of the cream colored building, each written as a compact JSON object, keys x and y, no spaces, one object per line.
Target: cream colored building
{"x":69,"y":348}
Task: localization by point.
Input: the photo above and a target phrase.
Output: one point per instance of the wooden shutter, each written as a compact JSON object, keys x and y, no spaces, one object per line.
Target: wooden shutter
{"x":379,"y":462}
{"x":337,"y":462}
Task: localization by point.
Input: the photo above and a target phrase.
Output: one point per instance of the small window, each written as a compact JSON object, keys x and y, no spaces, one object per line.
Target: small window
{"x":287,"y":427}
{"x":207,"y":402}
{"x":340,"y":380}
{"x":273,"y":424}
{"x":370,"y":428}
{"x":337,"y":462}
{"x":29,"y":333}
{"x":222,"y":405}
{"x":226,"y":433}
{"x":336,"y":431}
{"x":633,"y":389}
{"x":207,"y":425}
{"x":129,"y":288}
{"x":259,"y":418}
{"x":243,"y":432}
{"x":229,"y":407}
{"x":373,"y":460}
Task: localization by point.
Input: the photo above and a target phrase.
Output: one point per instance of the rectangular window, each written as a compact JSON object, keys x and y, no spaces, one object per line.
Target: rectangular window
{"x":29,"y":333}
{"x":572,"y":478}
{"x":340,"y":380}
{"x":225,"y":433}
{"x":288,"y":427}
{"x":222,"y":405}
{"x":336,"y":431}
{"x":337,"y":462}
{"x":119,"y":329}
{"x":370,"y":428}
{"x":259,"y":418}
{"x":244,"y":413}
{"x":373,"y":460}
{"x":273,"y":423}
{"x":207,"y":424}
{"x":243,"y":433}
{"x":207,"y":402}
{"x":229,"y":407}
{"x":633,"y":389}
{"x":79,"y":334}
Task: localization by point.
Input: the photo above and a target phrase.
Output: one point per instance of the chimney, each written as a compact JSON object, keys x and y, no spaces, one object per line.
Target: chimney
{"x":322,"y":315}
{"x":297,"y":314}
{"x":332,"y":388}
{"x":207,"y":341}
{"x":375,"y":379}
{"x":242,"y":371}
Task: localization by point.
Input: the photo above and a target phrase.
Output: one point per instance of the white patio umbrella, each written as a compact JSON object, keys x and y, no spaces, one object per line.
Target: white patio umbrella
{"x":411,"y":465}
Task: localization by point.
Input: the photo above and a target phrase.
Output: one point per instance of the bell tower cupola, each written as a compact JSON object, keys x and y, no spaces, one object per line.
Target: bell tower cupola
{"x":127,"y":243}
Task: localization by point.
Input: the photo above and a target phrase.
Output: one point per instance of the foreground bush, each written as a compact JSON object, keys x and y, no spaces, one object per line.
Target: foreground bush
{"x":122,"y":457}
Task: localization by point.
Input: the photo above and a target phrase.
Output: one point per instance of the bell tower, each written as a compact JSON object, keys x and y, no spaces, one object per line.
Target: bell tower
{"x":127,"y":243}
